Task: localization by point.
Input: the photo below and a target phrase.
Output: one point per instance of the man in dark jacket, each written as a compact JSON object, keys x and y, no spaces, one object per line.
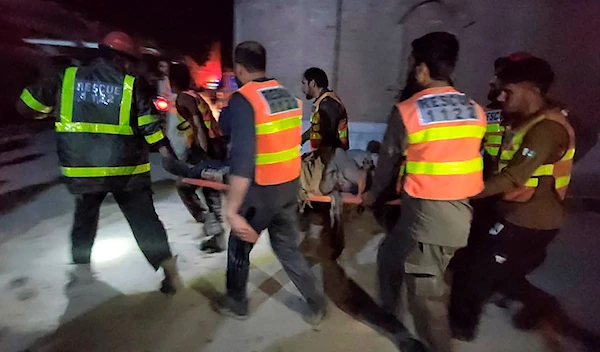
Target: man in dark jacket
{"x":104,"y":124}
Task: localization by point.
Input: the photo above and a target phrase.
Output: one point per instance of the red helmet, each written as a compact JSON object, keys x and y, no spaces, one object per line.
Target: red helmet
{"x":501,"y":62}
{"x":120,"y":42}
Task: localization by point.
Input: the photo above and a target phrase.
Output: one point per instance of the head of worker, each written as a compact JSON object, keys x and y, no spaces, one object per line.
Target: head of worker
{"x":179,"y":77}
{"x":500,"y":64}
{"x":524,"y":85}
{"x":314,"y":82}
{"x":121,"y":49}
{"x":433,"y":60}
{"x":249,"y":62}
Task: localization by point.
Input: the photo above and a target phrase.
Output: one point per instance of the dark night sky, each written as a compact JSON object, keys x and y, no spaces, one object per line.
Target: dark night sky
{"x":182,"y":25}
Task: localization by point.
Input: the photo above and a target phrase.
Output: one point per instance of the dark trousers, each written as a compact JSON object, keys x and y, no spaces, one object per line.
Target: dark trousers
{"x":390,"y":265}
{"x":282,"y":223}
{"x":499,"y":263}
{"x":190,"y":199}
{"x":138,"y":208}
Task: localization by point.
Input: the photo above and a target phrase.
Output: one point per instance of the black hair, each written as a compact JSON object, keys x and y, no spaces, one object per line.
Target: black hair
{"x":252,"y":55}
{"x":533,"y":70}
{"x":374,"y":147}
{"x":439,"y":51}
{"x":179,"y":76}
{"x":317,"y":75}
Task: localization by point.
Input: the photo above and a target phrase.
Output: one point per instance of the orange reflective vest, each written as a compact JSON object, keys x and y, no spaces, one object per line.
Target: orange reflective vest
{"x":278,"y":121}
{"x":444,"y":131}
{"x":560,"y":170}
{"x":209,"y":120}
{"x":315,"y":124}
{"x":494,"y":131}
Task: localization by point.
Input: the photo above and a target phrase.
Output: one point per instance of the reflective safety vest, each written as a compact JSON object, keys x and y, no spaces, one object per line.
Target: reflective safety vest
{"x":445,"y":129}
{"x":278,"y":121}
{"x":66,"y":125}
{"x":494,"y":131}
{"x":560,"y":170}
{"x":207,"y":117}
{"x":315,"y":124}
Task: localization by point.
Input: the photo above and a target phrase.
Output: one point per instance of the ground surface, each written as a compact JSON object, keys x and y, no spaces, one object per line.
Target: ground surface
{"x":123,"y":312}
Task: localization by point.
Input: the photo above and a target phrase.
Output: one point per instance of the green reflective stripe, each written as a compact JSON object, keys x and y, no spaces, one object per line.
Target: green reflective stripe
{"x":507,"y":154}
{"x":207,"y":124}
{"x":125,"y":111}
{"x":67,"y":94}
{"x":66,"y":123}
{"x":570,"y":154}
{"x":147,"y":119}
{"x":561,"y":182}
{"x":93,"y":128}
{"x":494,"y":127}
{"x":315,"y":136}
{"x":154,"y":137}
{"x":493,"y":151}
{"x":444,"y":168}
{"x":402,"y":170}
{"x":33,"y":103}
{"x":532,"y":182}
{"x":343,"y":133}
{"x":105,"y":171}
{"x":279,"y":125}
{"x":544,"y":170}
{"x":493,"y":139}
{"x":446,"y":133}
{"x":279,"y":157}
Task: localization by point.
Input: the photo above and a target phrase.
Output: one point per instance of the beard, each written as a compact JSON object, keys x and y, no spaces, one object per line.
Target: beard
{"x":238,"y":82}
{"x":493,"y":95}
{"x":411,"y":86}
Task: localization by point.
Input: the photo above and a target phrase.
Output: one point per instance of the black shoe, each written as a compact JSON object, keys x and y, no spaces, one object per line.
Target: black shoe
{"x":228,"y":307}
{"x":215,"y":244}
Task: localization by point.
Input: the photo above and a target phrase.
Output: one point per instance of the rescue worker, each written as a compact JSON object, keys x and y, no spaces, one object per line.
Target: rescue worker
{"x":205,"y":142}
{"x":533,"y":173}
{"x":329,"y":120}
{"x":328,"y":131}
{"x":441,"y":130}
{"x":263,"y":121}
{"x":104,"y":126}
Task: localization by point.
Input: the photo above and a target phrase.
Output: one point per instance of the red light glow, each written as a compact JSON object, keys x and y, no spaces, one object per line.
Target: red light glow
{"x":161,"y":104}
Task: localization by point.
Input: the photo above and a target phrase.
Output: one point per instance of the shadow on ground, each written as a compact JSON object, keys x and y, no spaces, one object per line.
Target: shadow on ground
{"x":21,"y":160}
{"x":148,"y":321}
{"x":13,"y":199}
{"x":14,"y":144}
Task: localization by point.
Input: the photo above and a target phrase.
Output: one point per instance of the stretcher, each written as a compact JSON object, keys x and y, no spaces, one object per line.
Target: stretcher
{"x":348,"y":198}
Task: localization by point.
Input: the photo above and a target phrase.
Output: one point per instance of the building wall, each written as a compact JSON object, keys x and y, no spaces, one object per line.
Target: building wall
{"x":373,"y":48}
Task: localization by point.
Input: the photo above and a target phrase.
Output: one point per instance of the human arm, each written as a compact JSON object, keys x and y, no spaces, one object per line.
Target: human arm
{"x":242,"y":160}
{"x":544,"y":143}
{"x":329,"y":117}
{"x":389,"y":159}
{"x":149,"y":123}
{"x":37,"y":101}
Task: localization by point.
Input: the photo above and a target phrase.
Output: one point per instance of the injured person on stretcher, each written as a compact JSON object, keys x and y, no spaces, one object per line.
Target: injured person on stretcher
{"x":346,"y":176}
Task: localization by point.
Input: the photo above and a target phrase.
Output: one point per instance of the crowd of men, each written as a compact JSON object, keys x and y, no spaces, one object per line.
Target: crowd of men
{"x":443,"y":154}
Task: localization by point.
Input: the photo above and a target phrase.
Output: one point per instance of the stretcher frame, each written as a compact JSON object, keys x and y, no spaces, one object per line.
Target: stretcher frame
{"x":348,"y":198}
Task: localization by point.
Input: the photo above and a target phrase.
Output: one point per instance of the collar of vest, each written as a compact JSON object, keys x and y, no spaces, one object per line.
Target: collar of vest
{"x":325,"y":94}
